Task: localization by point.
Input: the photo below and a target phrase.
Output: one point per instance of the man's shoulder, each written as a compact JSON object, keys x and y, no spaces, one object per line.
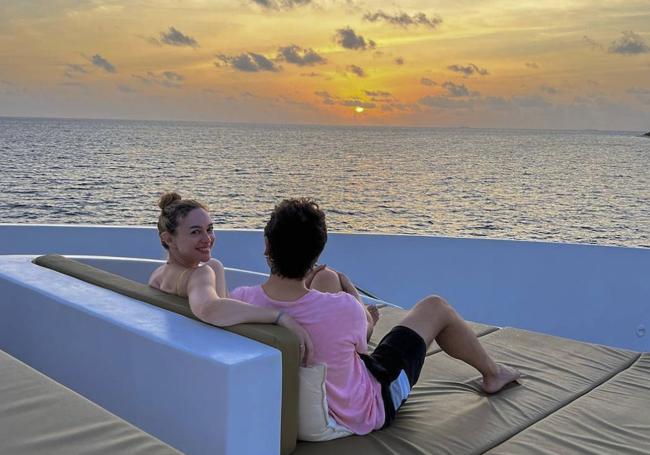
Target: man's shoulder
{"x":242,"y":292}
{"x":337,"y":298}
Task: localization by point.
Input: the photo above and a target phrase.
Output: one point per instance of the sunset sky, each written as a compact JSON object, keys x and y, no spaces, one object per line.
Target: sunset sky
{"x":581,"y":64}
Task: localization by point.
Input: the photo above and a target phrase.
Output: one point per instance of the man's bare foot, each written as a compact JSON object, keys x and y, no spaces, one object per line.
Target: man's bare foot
{"x":504,"y":375}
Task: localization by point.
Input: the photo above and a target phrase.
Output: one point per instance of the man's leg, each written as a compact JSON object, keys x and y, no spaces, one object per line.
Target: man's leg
{"x":433,"y":318}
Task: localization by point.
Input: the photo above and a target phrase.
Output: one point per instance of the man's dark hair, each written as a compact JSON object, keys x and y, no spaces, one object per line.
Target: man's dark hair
{"x":296,"y":235}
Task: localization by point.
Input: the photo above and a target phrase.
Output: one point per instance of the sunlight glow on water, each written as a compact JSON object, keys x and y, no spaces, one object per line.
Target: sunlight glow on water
{"x":553,"y":185}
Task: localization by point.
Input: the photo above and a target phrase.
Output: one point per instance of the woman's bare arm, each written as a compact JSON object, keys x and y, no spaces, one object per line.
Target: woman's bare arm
{"x":220,"y":277}
{"x":206,"y":305}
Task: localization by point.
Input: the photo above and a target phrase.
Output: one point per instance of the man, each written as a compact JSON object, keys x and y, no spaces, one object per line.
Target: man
{"x":364,"y":391}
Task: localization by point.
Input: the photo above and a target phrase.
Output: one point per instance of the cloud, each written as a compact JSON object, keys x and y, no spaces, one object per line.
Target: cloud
{"x":445,"y":103}
{"x":312,"y":74}
{"x":167,"y":79}
{"x":638,"y":91}
{"x":358,"y":103}
{"x":532,"y":65}
{"x":329,"y":99}
{"x":458,"y":90}
{"x":428,"y":82}
{"x":287,"y":101}
{"x":399,"y":61}
{"x":249,"y":62}
{"x":357,"y":70}
{"x":101,"y":62}
{"x":630,"y":44}
{"x":468,"y":70}
{"x":299,"y":56}
{"x":73,"y":84}
{"x":403,"y":19}
{"x":173,"y":77}
{"x":594,"y":45}
{"x":530,"y":101}
{"x":151,"y":40}
{"x":174,"y":37}
{"x":126,"y":89}
{"x":390,"y":107}
{"x":350,"y":40}
{"x":280,"y":4}
{"x":549,"y":90}
{"x":326,"y":97}
{"x":491,"y":103}
{"x":376,"y":93}
{"x":641,"y":94}
{"x":496,"y":102}
{"x":73,"y":70}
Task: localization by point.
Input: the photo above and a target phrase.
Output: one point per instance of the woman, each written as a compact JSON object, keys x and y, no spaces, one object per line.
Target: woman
{"x":186,"y":232}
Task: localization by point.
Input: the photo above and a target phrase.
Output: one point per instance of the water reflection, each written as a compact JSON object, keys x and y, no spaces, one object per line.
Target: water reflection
{"x":562,"y":186}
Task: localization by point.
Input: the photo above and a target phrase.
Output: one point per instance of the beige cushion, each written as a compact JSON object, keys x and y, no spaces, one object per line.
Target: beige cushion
{"x":447,"y":413}
{"x":41,"y":416}
{"x":314,"y":421}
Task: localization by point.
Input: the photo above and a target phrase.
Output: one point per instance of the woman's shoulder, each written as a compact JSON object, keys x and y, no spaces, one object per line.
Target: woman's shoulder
{"x":204,"y":271}
{"x":156,"y":276}
{"x":215,"y":265}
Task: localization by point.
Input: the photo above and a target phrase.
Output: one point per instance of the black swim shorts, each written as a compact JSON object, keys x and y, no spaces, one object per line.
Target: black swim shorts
{"x":396,"y":363}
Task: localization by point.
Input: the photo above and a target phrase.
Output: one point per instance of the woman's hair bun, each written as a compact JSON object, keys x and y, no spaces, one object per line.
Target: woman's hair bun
{"x":168,"y":198}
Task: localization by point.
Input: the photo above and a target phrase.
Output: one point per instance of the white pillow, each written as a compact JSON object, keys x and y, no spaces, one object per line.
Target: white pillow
{"x":314,"y":421}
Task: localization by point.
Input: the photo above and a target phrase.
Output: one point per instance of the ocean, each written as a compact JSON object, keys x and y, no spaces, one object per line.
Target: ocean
{"x":559,"y":186}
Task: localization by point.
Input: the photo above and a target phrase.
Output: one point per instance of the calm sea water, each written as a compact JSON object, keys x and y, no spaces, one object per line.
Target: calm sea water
{"x":564,"y":186}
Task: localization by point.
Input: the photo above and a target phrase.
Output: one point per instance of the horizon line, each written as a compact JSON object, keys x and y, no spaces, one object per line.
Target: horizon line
{"x":331,"y":125}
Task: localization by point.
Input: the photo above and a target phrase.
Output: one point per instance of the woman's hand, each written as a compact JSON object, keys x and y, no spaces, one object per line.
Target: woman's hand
{"x":374,"y":313}
{"x":306,"y":346}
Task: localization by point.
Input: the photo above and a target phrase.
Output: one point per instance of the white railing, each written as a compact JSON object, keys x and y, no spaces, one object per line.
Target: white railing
{"x":586,"y":292}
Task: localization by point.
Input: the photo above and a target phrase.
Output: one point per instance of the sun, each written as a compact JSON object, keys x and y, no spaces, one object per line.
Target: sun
{"x":358,"y":109}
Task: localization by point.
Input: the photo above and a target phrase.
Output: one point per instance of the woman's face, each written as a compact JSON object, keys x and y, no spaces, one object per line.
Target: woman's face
{"x":194,"y":237}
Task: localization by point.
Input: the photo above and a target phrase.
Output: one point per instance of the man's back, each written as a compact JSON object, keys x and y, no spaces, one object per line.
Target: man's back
{"x":337,"y":326}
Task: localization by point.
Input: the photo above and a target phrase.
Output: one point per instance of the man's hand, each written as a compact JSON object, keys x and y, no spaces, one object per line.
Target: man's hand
{"x":306,"y":346}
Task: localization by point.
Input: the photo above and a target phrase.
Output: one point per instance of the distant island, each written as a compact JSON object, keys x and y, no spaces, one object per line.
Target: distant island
{"x":647,"y":134}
